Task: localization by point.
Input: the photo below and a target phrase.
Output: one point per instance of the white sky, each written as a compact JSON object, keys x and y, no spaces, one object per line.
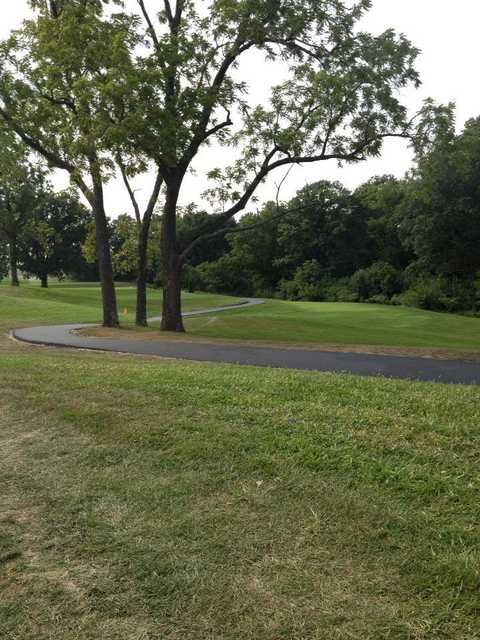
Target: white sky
{"x":445,"y":31}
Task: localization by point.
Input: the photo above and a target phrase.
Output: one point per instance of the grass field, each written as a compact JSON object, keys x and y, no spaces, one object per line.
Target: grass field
{"x":74,"y":302}
{"x":342,"y":323}
{"x":147,"y":500}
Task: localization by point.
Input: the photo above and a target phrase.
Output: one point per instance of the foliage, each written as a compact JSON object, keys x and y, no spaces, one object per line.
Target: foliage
{"x":419,"y":235}
{"x":54,"y":235}
{"x":306,"y":283}
{"x":380,"y":279}
{"x":442,"y":294}
{"x":440,"y":217}
{"x":226,"y":275}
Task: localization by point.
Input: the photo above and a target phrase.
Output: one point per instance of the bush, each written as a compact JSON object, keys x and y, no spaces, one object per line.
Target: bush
{"x":340,"y":290}
{"x":378,"y":299}
{"x":191,"y":279}
{"x":380,"y":279}
{"x":226,"y":275}
{"x":442,"y":294}
{"x":306,"y":283}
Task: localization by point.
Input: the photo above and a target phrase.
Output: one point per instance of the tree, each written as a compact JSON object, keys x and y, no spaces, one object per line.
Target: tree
{"x":62,"y":76}
{"x":379,"y":201}
{"x":325,"y":227}
{"x":338,"y":102}
{"x":22,"y":185}
{"x":3,"y":259}
{"x":143,"y":229}
{"x":440,"y":217}
{"x":54,"y":235}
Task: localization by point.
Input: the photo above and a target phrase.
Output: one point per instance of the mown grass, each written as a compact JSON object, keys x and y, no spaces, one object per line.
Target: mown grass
{"x":149,"y":499}
{"x":342,"y":324}
{"x":72,"y":302}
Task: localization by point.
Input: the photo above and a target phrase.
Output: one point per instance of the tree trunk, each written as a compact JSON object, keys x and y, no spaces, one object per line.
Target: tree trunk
{"x":172,"y":303}
{"x":13,"y":256}
{"x":109,"y":297}
{"x":141,"y":312}
{"x":44,"y":280}
{"x":172,"y":267}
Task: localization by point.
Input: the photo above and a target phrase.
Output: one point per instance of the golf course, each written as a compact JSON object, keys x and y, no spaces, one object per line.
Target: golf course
{"x":125,"y":481}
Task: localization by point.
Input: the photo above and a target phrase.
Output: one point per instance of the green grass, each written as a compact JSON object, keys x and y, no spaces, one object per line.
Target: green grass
{"x":342,"y":323}
{"x":156,"y":500}
{"x":72,"y":302}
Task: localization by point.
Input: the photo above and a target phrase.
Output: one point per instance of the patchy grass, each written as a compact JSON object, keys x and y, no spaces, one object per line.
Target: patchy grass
{"x":149,"y":500}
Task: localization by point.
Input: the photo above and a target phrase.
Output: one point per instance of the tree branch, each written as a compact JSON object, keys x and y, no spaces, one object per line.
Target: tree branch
{"x":130,"y":191}
{"x":201,"y":133}
{"x":241,"y":229}
{"x":151,"y":28}
{"x":268,"y":167}
{"x":53,"y":158}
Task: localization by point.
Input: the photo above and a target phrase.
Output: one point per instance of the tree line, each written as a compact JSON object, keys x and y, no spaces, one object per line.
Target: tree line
{"x":413,"y":240}
{"x":95,"y":89}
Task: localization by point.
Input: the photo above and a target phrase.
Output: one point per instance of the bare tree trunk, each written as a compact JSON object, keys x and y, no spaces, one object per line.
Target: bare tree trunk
{"x":141,"y":312}
{"x":13,"y":256}
{"x":44,"y":280}
{"x":109,"y":297}
{"x":172,"y":263}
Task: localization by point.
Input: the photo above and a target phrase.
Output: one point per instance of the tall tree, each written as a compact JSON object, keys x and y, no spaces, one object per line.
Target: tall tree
{"x":441,"y":211}
{"x":61,"y":79}
{"x":339,"y":100}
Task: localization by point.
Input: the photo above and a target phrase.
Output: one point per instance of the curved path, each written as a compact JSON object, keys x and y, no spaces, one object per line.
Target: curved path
{"x":447,"y":371}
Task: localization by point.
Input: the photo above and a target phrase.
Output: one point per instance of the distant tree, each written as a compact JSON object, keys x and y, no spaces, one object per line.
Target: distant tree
{"x":255,"y":248}
{"x":441,"y":212}
{"x":325,"y":227}
{"x":378,"y":202}
{"x":190,"y":221}
{"x":3,"y":259}
{"x":22,"y":185}
{"x":53,"y":237}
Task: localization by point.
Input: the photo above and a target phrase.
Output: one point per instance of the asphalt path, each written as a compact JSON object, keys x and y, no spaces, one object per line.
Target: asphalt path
{"x":409,"y":368}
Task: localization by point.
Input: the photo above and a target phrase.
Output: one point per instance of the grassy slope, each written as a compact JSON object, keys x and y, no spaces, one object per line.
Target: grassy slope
{"x":143,"y":499}
{"x":76,"y":303}
{"x":342,"y":323}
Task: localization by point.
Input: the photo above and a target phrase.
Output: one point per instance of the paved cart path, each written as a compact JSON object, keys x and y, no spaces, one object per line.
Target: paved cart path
{"x":410,"y":368}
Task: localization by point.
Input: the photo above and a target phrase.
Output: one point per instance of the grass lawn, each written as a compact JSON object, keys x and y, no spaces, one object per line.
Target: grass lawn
{"x":143,"y":499}
{"x":342,"y":323}
{"x":73,"y":302}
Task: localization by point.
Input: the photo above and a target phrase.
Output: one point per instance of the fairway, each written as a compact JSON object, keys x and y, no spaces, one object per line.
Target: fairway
{"x":342,"y":324}
{"x":157,"y":499}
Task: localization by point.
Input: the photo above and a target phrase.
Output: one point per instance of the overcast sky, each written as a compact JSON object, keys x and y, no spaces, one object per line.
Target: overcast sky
{"x":447,"y":34}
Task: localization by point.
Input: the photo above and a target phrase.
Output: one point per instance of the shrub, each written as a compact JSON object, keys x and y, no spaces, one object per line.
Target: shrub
{"x":441,"y":294}
{"x":191,"y":279}
{"x":380,"y":279}
{"x":226,"y":275}
{"x":306,"y":283}
{"x":380,"y":298}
